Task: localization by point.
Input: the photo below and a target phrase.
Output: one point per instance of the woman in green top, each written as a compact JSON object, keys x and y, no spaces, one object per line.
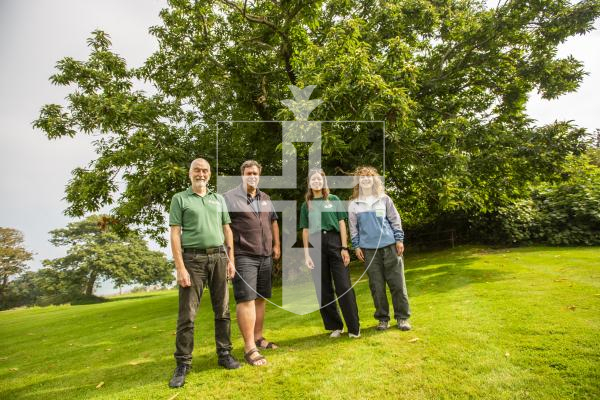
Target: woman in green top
{"x":327,"y":220}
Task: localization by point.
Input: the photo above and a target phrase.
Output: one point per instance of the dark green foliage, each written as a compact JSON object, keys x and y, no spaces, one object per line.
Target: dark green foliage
{"x":450,"y":79}
{"x":563,"y":213}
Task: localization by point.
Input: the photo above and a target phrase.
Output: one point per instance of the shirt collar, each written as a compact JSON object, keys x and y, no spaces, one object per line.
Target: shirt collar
{"x":191,"y":192}
{"x":370,"y":200}
{"x":244,"y":193}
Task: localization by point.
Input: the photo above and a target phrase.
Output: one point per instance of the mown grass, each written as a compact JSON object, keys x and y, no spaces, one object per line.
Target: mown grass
{"x":488,"y":323}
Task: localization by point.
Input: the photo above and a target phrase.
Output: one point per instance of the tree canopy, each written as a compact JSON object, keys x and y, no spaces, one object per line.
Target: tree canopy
{"x":96,"y":252}
{"x":451,"y":79}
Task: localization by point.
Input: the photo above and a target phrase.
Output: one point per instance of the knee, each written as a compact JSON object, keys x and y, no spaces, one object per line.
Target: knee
{"x":185,"y":322}
{"x":222,"y":314}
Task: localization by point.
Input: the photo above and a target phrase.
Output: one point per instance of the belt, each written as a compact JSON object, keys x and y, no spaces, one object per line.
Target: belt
{"x":324,"y":232}
{"x":210,"y":250}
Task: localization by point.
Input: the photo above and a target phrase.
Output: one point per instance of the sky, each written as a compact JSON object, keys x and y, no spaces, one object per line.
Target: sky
{"x":35,"y":34}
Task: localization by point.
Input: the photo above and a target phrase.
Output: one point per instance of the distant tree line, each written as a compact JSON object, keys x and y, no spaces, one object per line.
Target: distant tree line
{"x":94,"y":253}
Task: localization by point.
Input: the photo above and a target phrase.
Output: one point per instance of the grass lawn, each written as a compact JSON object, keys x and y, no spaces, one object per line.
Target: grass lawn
{"x":487,"y":323}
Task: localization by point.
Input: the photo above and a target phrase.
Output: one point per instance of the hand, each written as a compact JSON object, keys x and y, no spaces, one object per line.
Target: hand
{"x":399,"y":248}
{"x":183,"y":278}
{"x":309,"y":262}
{"x":230,"y":270}
{"x":345,"y":257}
{"x":276,"y":252}
{"x":359,"y":253}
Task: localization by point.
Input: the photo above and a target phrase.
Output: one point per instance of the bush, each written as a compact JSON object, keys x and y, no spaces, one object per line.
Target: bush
{"x":518,"y":222}
{"x":563,"y":213}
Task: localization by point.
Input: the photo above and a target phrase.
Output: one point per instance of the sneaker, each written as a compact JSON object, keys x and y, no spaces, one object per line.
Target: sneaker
{"x":228,"y":361}
{"x":354,"y":335}
{"x":404,"y":325}
{"x":178,"y":378}
{"x":382,"y":325}
{"x":336,"y":333}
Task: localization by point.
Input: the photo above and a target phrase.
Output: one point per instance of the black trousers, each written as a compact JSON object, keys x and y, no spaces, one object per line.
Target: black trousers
{"x":334,"y":280}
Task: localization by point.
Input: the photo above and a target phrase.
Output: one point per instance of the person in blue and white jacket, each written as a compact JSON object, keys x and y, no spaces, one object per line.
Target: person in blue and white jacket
{"x":378,"y":239}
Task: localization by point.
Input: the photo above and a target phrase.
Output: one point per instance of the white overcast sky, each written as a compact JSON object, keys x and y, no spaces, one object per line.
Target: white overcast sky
{"x":34,"y":34}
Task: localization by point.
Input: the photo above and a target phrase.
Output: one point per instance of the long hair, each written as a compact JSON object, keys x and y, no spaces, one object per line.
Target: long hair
{"x":366,"y":170}
{"x":309,"y":193}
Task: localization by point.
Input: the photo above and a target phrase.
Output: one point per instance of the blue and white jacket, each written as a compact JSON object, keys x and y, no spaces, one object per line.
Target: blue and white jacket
{"x":374,"y":222}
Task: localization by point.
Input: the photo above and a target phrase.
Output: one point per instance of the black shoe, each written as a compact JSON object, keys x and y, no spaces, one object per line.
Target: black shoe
{"x":226,"y":360}
{"x":178,"y":378}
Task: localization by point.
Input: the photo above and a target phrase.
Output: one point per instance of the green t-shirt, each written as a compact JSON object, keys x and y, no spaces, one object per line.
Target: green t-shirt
{"x":201,"y":218}
{"x":329,"y":211}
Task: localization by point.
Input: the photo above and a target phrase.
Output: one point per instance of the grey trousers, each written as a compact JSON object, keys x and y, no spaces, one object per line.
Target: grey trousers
{"x":386,"y":267}
{"x":205,"y":270}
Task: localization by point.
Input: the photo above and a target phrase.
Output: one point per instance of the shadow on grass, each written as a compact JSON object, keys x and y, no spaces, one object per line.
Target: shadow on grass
{"x":425,"y":278}
{"x":82,"y":382}
{"x":449,"y":270}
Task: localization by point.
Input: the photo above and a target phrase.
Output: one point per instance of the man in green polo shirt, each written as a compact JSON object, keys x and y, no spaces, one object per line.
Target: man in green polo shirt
{"x":199,"y":225}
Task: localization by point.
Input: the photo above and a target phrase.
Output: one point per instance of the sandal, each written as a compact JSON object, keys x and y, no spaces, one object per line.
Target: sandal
{"x":268,"y":345}
{"x":254,"y":361}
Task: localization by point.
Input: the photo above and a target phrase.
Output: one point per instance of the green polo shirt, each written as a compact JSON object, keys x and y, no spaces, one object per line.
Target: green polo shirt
{"x":201,"y":218}
{"x":330,"y":211}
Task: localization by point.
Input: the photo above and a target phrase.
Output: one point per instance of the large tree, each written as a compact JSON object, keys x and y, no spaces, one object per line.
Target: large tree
{"x":451,"y":79}
{"x":13,"y":257}
{"x":96,"y":252}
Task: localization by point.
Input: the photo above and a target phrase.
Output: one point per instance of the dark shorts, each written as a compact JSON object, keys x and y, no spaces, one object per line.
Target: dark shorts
{"x":252,"y":278}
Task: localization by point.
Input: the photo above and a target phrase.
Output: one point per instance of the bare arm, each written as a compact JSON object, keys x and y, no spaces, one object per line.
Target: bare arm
{"x":308,"y":260}
{"x":344,"y":239}
{"x":229,"y":248}
{"x":305,"y":241}
{"x":276,"y":243}
{"x":343,"y":233}
{"x":183,"y":277}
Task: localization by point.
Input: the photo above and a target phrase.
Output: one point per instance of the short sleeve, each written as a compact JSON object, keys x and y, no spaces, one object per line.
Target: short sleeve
{"x":225,"y":219}
{"x":175,"y":211}
{"x":273,"y":212}
{"x":303,"y":216}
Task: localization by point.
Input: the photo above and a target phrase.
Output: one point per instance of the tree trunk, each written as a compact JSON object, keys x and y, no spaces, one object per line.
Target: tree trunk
{"x":89,"y":287}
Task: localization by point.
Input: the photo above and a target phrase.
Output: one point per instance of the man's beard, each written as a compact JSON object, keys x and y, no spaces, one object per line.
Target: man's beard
{"x":199,"y":183}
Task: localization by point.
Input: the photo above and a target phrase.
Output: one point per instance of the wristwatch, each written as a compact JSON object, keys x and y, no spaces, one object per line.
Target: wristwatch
{"x":345,"y":248}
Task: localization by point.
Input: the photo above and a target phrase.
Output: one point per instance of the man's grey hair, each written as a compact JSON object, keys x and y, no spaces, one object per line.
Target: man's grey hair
{"x":198,"y":160}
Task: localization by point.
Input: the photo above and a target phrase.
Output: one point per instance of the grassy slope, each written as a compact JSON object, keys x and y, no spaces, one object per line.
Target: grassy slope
{"x":501,"y":324}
